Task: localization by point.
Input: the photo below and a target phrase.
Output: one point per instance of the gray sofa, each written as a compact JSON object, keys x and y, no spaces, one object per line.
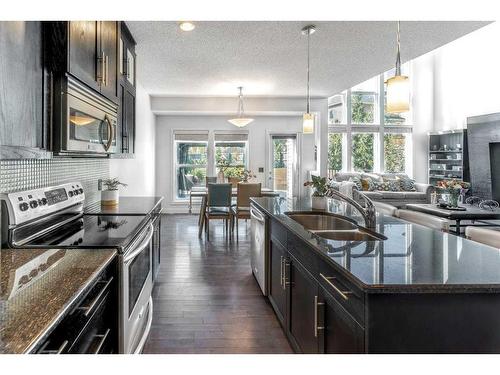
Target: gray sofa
{"x":394,"y":198}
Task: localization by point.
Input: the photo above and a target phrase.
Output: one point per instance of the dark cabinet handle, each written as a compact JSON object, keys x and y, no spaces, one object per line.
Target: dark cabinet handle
{"x":57,"y":351}
{"x":316,"y":327}
{"x":102,"y":341}
{"x":88,"y":309}
{"x":343,"y":293}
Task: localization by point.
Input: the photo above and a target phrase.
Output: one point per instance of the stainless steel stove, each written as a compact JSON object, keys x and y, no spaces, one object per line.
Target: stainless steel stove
{"x":52,"y":218}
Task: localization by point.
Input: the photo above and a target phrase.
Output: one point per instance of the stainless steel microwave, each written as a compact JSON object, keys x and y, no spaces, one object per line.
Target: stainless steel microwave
{"x":85,"y":121}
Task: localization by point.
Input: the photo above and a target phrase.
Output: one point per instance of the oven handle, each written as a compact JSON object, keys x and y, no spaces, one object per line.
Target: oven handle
{"x":141,"y":247}
{"x":145,"y":335}
{"x":255,"y":214}
{"x":111,"y":133}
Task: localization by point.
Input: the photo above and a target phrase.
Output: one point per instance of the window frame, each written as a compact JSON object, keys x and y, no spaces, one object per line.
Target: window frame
{"x":245,"y":165}
{"x":379,"y":127}
{"x":178,"y":165}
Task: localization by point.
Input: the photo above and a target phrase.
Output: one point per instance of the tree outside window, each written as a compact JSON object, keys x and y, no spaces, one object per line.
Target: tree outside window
{"x":394,"y":152}
{"x":362,"y":152}
{"x":335,"y":152}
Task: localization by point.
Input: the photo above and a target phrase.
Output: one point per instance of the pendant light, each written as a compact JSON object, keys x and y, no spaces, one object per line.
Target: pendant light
{"x":398,"y":87}
{"x":241,"y":120}
{"x":308,"y":117}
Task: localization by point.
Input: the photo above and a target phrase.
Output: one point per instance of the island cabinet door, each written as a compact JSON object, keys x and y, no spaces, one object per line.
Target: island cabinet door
{"x":302,"y":307}
{"x":277,"y":288}
{"x":339,"y":331}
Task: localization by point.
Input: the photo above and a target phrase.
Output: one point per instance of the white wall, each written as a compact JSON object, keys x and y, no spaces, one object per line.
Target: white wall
{"x":456,"y":81}
{"x":258,"y":132}
{"x":272,"y":114}
{"x":139,"y":173}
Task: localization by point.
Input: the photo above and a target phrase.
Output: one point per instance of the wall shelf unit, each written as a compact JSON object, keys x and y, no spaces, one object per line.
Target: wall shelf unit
{"x":448,"y":156}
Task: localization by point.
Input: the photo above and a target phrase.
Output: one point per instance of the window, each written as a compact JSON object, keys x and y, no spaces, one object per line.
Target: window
{"x":190,"y":162}
{"x":364,"y":102}
{"x":363,"y":152}
{"x":335,"y":154}
{"x":362,"y":136}
{"x":337,"y":109}
{"x":231,"y":158}
{"x":395,"y":152}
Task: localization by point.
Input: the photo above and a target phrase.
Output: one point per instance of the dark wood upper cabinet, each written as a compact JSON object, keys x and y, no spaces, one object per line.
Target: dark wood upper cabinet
{"x":21,"y":96}
{"x":84,"y":52}
{"x":109,"y":51}
{"x":87,"y":50}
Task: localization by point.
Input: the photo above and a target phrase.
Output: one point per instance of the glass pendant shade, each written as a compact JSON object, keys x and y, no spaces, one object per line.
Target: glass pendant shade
{"x":398,"y":94}
{"x":308,"y":123}
{"x":240,"y":122}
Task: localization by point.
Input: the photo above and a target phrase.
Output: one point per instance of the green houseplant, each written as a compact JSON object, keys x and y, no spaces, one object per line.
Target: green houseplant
{"x":320,"y":188}
{"x":111,"y":196}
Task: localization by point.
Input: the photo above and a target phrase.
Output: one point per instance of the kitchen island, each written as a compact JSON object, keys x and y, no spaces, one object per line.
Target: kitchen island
{"x":40,"y":290}
{"x":412,"y":290}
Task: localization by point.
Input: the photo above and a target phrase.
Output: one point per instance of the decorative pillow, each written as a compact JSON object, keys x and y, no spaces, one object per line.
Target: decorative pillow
{"x":357,"y":182}
{"x":365,"y":183}
{"x":407,"y":184}
{"x":394,"y":185}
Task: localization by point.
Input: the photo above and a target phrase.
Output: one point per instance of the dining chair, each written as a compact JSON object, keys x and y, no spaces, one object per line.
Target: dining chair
{"x":485,"y":236}
{"x":242,"y":208}
{"x":429,"y":221}
{"x":210,"y":180}
{"x":218,"y":205}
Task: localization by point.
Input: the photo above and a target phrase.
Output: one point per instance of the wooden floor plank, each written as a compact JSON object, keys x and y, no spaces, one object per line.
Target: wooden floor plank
{"x":206,"y":299}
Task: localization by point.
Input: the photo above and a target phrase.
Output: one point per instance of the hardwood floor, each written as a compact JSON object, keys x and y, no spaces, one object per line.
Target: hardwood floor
{"x":206,"y":299}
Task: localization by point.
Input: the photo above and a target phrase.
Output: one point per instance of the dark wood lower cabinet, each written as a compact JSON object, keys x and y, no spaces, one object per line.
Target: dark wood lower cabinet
{"x":302,"y":312}
{"x":340,"y":333}
{"x":277,"y":291}
{"x":91,"y":325}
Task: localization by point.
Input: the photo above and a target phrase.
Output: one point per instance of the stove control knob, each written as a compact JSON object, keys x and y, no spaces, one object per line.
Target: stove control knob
{"x":33,"y":204}
{"x":70,"y":193}
{"x":23,"y":206}
{"x":80,"y":191}
{"x":76,"y":192}
{"x":44,"y":201}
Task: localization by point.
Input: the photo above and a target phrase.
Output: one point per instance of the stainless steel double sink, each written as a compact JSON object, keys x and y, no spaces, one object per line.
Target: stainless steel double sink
{"x":333,"y":227}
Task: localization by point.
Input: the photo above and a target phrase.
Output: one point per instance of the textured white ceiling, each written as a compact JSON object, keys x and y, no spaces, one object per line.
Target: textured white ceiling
{"x":269,"y":58}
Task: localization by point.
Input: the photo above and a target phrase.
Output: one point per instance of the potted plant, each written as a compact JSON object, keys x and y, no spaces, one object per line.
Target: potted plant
{"x":320,"y":188}
{"x":454,"y":188}
{"x":111,"y":196}
{"x":247,"y":175}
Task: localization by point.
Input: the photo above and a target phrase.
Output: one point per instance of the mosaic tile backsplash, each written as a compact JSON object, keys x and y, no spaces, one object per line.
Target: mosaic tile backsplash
{"x":32,"y":173}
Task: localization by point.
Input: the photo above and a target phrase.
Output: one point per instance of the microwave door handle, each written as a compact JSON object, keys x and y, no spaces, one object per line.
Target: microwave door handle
{"x":141,"y":247}
{"x":110,"y":132}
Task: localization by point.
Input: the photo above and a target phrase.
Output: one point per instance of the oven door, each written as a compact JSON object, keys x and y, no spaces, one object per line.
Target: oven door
{"x":89,"y":128}
{"x":136,"y":306}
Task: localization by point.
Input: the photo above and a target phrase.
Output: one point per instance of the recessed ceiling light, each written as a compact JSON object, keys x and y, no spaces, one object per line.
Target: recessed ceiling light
{"x":187,"y":26}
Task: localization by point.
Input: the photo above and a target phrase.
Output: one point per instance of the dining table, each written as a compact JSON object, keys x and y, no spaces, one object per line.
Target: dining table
{"x":202,"y":192}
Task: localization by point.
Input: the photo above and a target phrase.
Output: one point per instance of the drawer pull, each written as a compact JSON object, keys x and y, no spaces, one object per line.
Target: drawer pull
{"x":281,"y":271}
{"x":316,"y":327}
{"x":102,"y":341}
{"x":88,"y":309}
{"x":56,"y":351}
{"x":343,"y":293}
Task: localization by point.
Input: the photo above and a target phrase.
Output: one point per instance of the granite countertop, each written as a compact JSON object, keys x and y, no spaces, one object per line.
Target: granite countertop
{"x":37,"y":287}
{"x":414,"y":258}
{"x":128,"y":206}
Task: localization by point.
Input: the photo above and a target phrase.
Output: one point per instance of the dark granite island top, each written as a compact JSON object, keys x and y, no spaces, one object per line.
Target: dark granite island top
{"x":30,"y":308}
{"x":413,"y":258}
{"x":128,"y":206}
